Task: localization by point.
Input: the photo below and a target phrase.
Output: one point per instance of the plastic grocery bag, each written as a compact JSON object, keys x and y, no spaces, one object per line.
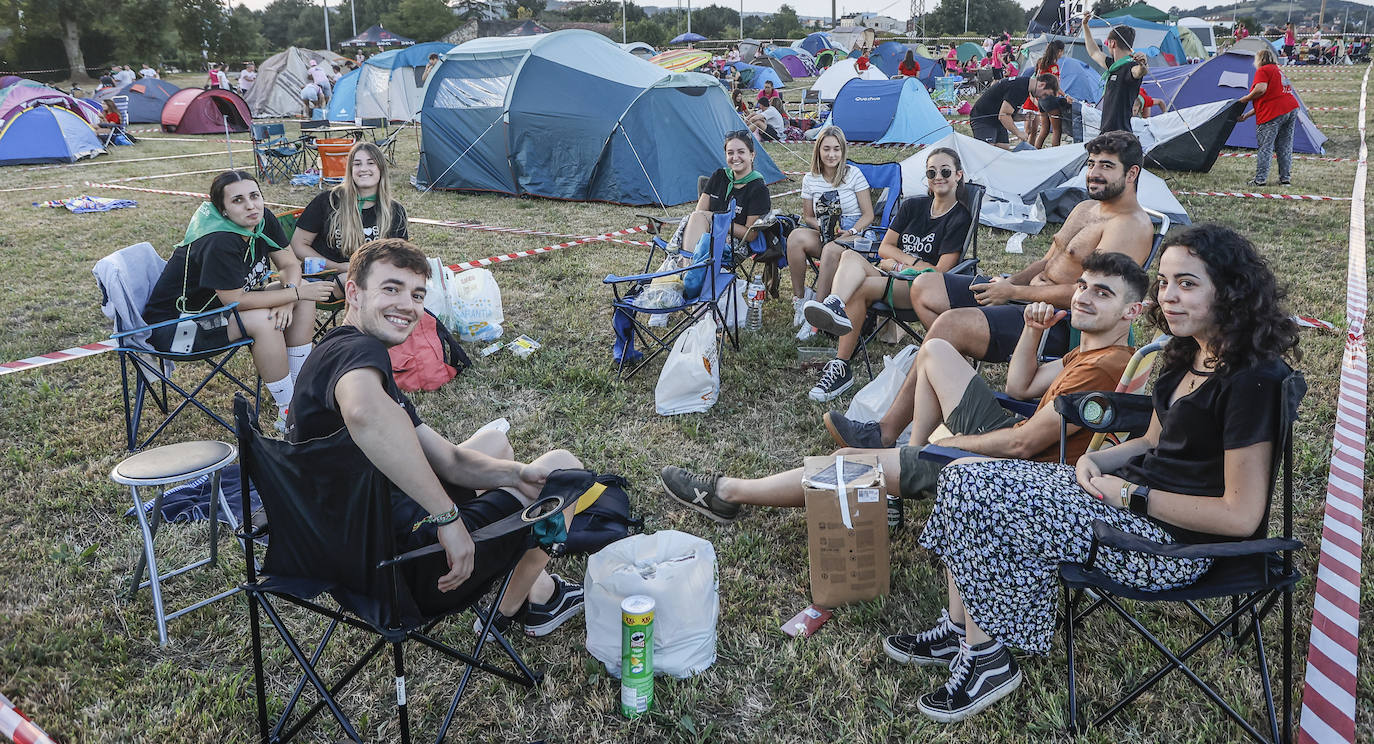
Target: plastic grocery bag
{"x":476,"y":305}
{"x":737,"y":316}
{"x":679,"y":571}
{"x":690,"y":380}
{"x":437,"y":291}
{"x":876,"y":397}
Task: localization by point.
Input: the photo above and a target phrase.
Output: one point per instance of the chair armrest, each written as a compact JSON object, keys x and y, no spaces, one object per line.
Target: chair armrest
{"x":1105,"y":535}
{"x":944,"y":455}
{"x":966,"y":266}
{"x":1112,"y":411}
{"x":227,"y":308}
{"x":1016,"y":405}
{"x":613,"y":279}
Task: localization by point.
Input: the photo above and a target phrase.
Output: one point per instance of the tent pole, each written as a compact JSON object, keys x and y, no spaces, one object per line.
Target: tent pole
{"x":741,"y":20}
{"x":966,"y":16}
{"x":326,"y":24}
{"x":623,"y":38}
{"x":353,"y":13}
{"x":227,"y":147}
{"x":689,"y":16}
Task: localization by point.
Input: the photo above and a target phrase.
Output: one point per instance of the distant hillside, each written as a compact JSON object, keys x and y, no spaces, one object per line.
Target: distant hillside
{"x":1303,"y":13}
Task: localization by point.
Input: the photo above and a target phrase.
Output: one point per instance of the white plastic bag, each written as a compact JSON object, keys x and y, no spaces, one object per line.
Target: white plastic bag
{"x":437,"y":293}
{"x":737,"y":316}
{"x":690,"y":380}
{"x":876,"y":397}
{"x":476,"y":305}
{"x":679,"y":571}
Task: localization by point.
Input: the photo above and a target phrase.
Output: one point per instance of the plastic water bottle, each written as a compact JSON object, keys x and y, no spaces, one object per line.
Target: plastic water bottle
{"x":754,"y":298}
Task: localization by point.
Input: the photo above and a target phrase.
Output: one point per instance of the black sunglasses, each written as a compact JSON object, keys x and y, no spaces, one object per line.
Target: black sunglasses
{"x":738,"y":134}
{"x":944,"y":172}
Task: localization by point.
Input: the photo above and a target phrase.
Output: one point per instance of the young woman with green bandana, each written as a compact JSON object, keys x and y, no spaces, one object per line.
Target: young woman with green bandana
{"x":338,"y":221}
{"x":738,"y":181}
{"x":226,"y":256}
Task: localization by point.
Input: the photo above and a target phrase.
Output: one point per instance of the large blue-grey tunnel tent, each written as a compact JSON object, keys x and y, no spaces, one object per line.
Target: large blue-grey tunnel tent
{"x":571,"y":115}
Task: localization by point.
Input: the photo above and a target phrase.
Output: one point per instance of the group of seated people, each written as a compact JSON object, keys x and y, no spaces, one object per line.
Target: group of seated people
{"x":1005,"y":517}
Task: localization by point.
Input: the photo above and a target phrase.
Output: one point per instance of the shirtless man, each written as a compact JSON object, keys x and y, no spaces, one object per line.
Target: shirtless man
{"x":973,"y":313}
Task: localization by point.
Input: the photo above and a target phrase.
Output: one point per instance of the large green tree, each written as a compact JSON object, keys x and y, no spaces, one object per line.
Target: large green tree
{"x":422,"y":20}
{"x":784,"y":24}
{"x":279,"y":18}
{"x":141,"y":23}
{"x":68,"y":20}
{"x":984,"y":17}
{"x":525,"y":8}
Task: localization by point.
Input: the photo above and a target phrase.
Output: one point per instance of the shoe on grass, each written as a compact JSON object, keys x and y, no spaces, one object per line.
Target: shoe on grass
{"x":979,"y":676}
{"x":836,"y":378}
{"x":806,"y":332}
{"x":564,"y":604}
{"x":1254,"y":182}
{"x":938,"y":646}
{"x":797,"y":302}
{"x":828,"y":316}
{"x":847,"y":433}
{"x":698,"y":491}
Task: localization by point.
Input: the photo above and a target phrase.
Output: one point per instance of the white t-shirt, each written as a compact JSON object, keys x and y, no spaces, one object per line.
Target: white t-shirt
{"x":148,"y":72}
{"x":246,"y":78}
{"x":774,"y":119}
{"x":854,"y":182}
{"x":124,"y":77}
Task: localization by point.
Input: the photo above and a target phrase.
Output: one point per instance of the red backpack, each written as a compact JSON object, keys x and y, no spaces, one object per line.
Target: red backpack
{"x":429,"y":358}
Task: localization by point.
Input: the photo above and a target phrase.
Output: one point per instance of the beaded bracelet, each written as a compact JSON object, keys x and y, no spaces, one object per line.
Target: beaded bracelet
{"x":438,"y":520}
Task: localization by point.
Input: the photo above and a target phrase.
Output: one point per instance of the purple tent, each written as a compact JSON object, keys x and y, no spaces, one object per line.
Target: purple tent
{"x":24,"y":95}
{"x":1227,"y":76}
{"x":796,"y":67}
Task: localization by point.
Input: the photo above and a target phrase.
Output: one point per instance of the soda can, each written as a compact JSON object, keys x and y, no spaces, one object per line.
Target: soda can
{"x":636,"y":655}
{"x":313,"y":265}
{"x":894,"y":512}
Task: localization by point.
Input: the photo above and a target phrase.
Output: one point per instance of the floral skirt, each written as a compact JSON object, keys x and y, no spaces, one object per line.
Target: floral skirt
{"x":1004,"y":526}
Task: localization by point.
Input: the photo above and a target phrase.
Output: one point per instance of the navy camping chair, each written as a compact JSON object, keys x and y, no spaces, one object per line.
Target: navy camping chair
{"x":277,"y":157}
{"x":126,"y":279}
{"x":329,"y":519}
{"x":880,"y":313}
{"x":717,"y":290}
{"x":1250,"y":577}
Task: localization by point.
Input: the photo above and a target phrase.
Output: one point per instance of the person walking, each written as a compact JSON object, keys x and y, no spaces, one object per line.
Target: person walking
{"x":1275,"y":112}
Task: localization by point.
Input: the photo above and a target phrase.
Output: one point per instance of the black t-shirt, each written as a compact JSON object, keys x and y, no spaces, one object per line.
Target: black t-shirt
{"x":927,"y":238}
{"x":318,"y":218}
{"x":1012,"y":90}
{"x":314,"y":411}
{"x":1223,"y":413}
{"x":221,"y":260}
{"x":1118,"y":97}
{"x":751,"y":200}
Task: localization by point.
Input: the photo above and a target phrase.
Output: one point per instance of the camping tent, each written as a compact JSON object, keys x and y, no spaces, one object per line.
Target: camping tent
{"x":850,"y":38}
{"x":970,"y":50}
{"x":1073,"y":47}
{"x":754,"y":76}
{"x":888,"y":112}
{"x":828,"y":57}
{"x":27,"y":94}
{"x":1147,"y":35}
{"x":1143,"y":11}
{"x":377,"y":37}
{"x":748,"y":49}
{"x":570,"y":115}
{"x":391,"y":83}
{"x":889,"y":54}
{"x":1192,"y":45}
{"x":146,"y":97}
{"x":796,"y":65}
{"x":1076,"y":78}
{"x":1186,"y":139}
{"x":681,"y":60}
{"x":1048,"y":19}
{"x":639,"y":49}
{"x":47,"y":134}
{"x":1250,"y":45}
{"x":277,"y":91}
{"x":1028,"y":188}
{"x":343,"y":104}
{"x":828,"y":85}
{"x":1202,"y":30}
{"x":197,"y":111}
{"x":814,"y":43}
{"x":1225,"y":77}
{"x":784,"y":74}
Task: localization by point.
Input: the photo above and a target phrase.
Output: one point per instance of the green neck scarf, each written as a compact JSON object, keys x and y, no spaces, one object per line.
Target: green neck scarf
{"x":366,"y":201}
{"x":1120,"y":63}
{"x":736,"y":183}
{"x":208,"y":220}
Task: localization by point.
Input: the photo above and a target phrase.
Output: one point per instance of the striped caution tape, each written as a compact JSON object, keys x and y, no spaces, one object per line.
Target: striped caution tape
{"x":135,"y":160}
{"x":1329,"y":684}
{"x":1251,"y":195}
{"x":1330,"y":108}
{"x":66,"y":355}
{"x":490,"y":260}
{"x":18,"y":727}
{"x":1304,"y":321}
{"x":1295,"y":157}
{"x":1326,"y":90}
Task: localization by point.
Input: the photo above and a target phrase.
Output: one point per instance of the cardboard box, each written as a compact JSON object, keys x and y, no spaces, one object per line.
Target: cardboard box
{"x":846,"y":539}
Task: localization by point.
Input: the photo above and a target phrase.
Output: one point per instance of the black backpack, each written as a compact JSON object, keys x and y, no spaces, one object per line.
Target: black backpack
{"x":605,"y":521}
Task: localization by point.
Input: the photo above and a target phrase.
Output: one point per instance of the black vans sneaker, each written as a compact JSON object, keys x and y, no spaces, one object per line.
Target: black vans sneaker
{"x":835,"y":379}
{"x":503,"y":623}
{"x":564,"y":604}
{"x":698,"y":491}
{"x":979,"y":676}
{"x":937,"y":646}
{"x":828,"y":316}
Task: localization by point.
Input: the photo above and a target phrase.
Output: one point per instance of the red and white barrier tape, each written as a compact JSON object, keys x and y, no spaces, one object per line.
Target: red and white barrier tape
{"x":18,"y":727}
{"x":66,"y":355}
{"x":1295,"y":157}
{"x":135,"y":160}
{"x":1329,"y":685}
{"x":1330,"y":108}
{"x":462,"y":266}
{"x":1304,"y":321}
{"x":1250,"y":195}
{"x":1326,"y":90}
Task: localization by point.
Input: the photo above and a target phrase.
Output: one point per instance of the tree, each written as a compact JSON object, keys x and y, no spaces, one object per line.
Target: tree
{"x":471,"y":10}
{"x":68,"y":20}
{"x":422,"y":20}
{"x":279,"y":18}
{"x":715,"y":22}
{"x":783,"y":24}
{"x":199,"y":24}
{"x":648,"y":32}
{"x":604,"y":11}
{"x":525,"y":8}
{"x":988,"y":17}
{"x":1103,"y":7}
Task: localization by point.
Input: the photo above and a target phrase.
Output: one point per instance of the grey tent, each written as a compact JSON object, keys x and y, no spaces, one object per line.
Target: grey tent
{"x":277,"y":91}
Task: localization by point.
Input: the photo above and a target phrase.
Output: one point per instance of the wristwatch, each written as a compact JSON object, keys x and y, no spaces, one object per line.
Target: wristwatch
{"x":1140,"y":500}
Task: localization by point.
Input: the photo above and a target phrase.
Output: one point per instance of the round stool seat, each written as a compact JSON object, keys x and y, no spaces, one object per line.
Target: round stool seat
{"x":173,"y":462}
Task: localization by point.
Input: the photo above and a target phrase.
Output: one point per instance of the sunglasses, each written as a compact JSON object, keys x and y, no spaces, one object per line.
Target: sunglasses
{"x":944,"y":172}
{"x":738,"y":134}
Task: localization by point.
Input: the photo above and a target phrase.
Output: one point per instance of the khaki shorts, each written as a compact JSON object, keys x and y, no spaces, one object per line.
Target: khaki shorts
{"x":978,"y":412}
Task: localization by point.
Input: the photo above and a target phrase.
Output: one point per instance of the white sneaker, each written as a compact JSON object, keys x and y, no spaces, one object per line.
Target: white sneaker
{"x":807,"y":332}
{"x":280,"y":423}
{"x":797,"y":317}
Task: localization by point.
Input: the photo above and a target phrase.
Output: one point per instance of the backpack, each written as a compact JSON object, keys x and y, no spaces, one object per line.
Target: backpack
{"x":430,"y":357}
{"x":605,"y":521}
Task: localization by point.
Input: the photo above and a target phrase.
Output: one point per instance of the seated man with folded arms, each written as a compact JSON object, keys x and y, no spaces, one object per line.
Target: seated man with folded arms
{"x":347,"y":381}
{"x":976,"y":314}
{"x":1107,"y":298}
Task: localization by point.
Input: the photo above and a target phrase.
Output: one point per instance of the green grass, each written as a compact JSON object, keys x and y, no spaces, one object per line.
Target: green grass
{"x":86,"y":665}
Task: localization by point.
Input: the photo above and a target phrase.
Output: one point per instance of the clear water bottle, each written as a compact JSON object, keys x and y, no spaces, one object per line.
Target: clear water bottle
{"x":754,"y":299}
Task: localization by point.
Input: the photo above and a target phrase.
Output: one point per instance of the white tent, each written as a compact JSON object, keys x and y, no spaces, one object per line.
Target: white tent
{"x":277,"y":91}
{"x":391,"y":84}
{"x":829,"y":83}
{"x":1029,"y":188}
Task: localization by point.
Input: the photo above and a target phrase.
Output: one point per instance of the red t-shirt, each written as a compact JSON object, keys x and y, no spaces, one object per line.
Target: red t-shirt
{"x":112,"y":117}
{"x":1278,"y":95}
{"x":861,"y":63}
{"x":912,"y":70}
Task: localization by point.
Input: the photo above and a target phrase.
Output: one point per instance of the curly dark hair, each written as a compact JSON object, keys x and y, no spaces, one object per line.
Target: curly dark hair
{"x":1253,"y":324}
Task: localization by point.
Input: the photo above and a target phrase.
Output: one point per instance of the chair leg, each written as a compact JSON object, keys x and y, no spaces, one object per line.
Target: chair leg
{"x":1287,"y":666}
{"x":309,"y":671}
{"x":255,"y":631}
{"x":398,"y":656}
{"x":1069,"y":622}
{"x":150,"y":560}
{"x":1265,"y":683}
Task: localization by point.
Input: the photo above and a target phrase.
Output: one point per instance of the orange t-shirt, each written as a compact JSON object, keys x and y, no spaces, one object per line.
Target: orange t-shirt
{"x":1083,"y":371}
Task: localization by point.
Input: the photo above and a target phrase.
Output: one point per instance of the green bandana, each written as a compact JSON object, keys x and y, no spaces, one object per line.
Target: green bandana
{"x":366,"y":201}
{"x":205,"y":221}
{"x":1128,"y":59}
{"x":735,"y":183}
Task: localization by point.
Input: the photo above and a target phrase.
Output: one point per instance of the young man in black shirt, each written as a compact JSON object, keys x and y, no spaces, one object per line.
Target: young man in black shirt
{"x":347,"y":382}
{"x":992,"y":116}
{"x":1125,"y":70}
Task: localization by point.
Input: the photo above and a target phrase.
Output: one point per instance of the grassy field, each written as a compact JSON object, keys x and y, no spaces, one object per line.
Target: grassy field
{"x":85,"y":663}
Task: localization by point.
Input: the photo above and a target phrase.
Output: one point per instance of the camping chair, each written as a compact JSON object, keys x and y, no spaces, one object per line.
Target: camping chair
{"x":1254,"y":574}
{"x":122,"y":104}
{"x":383,"y":136}
{"x":126,"y":279}
{"x":885,"y":191}
{"x":880,"y":314}
{"x":329,"y":517}
{"x":809,"y":97}
{"x":333,"y":154}
{"x":717,"y":287}
{"x":275,"y":155}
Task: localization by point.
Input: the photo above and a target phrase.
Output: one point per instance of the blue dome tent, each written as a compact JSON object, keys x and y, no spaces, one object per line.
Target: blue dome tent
{"x":754,"y":76}
{"x":1147,"y":35}
{"x":888,"y":112}
{"x":889,"y":54}
{"x":47,"y":134}
{"x":816,"y":42}
{"x":343,"y":104}
{"x":390,"y":85}
{"x":146,"y":97}
{"x":1076,"y":78}
{"x":571,"y":115}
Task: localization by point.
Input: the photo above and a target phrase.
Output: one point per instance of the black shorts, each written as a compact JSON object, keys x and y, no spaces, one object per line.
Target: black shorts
{"x":989,"y":129}
{"x":211,"y":332}
{"x":1005,"y":322}
{"x":978,"y":412}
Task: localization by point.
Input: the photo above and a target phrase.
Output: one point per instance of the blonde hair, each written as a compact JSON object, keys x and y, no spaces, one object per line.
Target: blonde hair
{"x":344,"y":198}
{"x":818,"y":168}
{"x":1265,"y":57}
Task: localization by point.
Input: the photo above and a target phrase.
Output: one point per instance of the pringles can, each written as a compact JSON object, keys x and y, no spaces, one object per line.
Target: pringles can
{"x":636,"y":655}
